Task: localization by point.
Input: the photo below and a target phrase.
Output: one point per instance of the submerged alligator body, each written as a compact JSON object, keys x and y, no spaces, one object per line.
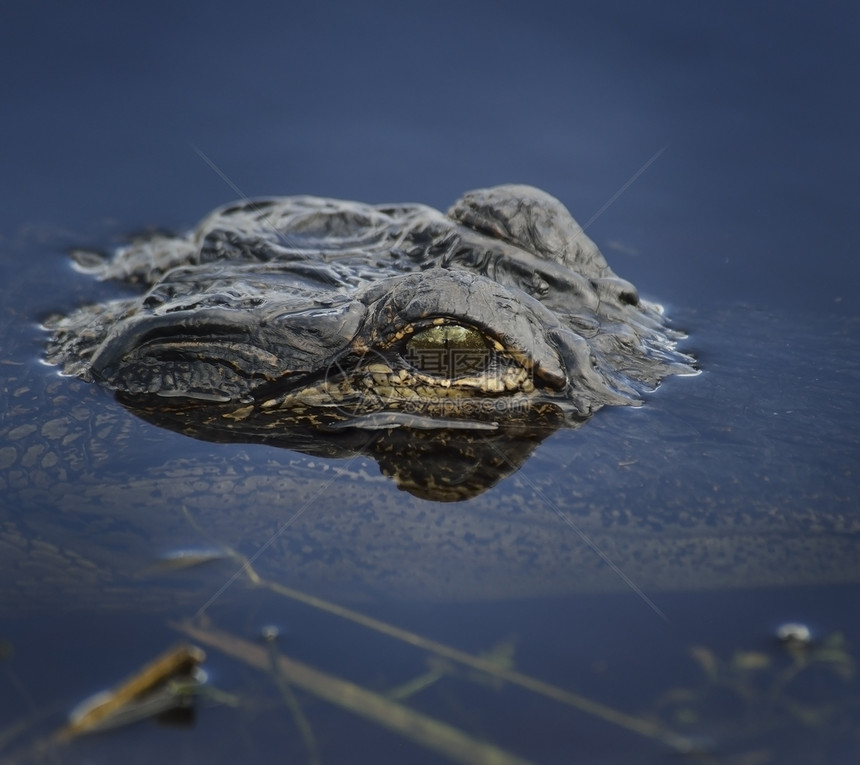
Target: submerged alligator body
{"x":300,"y":320}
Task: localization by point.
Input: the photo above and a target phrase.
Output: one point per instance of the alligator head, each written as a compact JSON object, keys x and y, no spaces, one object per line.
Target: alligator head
{"x":326,"y":326}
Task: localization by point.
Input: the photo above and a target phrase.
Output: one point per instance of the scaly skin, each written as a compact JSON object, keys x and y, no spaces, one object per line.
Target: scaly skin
{"x":284,"y":313}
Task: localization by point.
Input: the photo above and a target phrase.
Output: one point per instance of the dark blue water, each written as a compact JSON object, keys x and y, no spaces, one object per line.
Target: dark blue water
{"x":745,"y":226}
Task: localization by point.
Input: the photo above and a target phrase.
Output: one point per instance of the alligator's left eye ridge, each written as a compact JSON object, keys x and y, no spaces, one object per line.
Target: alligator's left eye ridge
{"x":449,"y":350}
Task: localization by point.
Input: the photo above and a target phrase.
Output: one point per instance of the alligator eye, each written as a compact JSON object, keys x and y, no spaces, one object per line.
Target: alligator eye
{"x":449,"y":350}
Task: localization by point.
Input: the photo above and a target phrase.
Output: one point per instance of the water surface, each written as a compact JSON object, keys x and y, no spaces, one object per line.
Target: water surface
{"x":729,"y":500}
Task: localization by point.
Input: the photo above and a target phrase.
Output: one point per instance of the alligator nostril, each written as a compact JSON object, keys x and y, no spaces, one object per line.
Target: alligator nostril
{"x":619,"y":290}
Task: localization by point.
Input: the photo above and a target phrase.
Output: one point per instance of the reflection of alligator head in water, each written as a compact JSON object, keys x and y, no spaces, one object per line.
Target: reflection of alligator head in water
{"x":426,"y":340}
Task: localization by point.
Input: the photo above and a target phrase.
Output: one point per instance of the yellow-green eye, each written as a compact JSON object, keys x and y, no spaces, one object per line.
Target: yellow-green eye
{"x":448,"y":350}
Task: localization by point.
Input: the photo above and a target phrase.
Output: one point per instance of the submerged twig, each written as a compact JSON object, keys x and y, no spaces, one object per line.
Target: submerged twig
{"x":423,"y":730}
{"x":292,"y":702}
{"x":647,"y":728}
{"x":98,"y":712}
